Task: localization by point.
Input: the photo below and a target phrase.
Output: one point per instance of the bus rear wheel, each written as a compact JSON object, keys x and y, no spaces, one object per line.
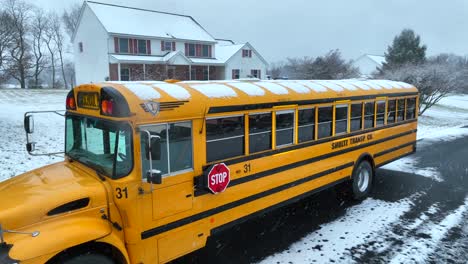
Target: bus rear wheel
{"x":363,"y":175}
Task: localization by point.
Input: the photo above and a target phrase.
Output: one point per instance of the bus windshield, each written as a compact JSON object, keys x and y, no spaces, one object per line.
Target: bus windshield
{"x":102,"y":145}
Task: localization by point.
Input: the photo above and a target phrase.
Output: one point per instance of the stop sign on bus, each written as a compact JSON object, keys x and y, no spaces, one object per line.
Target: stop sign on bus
{"x":218,"y":178}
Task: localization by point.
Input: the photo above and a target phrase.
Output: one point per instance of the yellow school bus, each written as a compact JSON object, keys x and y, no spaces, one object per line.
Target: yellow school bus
{"x":152,"y":169}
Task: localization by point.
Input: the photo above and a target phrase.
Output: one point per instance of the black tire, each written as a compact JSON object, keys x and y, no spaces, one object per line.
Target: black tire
{"x":363,"y":176}
{"x":89,"y":258}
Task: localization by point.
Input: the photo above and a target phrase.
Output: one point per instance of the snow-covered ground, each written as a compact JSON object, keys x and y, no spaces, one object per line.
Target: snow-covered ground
{"x":337,"y":241}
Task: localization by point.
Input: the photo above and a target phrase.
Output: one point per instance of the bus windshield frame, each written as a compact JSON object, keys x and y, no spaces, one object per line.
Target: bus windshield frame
{"x":103,"y":145}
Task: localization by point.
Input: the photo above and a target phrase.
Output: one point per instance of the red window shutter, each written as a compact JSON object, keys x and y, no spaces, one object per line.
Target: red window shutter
{"x":130,"y":45}
{"x":162,"y":45}
{"x":116,"y":44}
{"x":186,"y":49}
{"x":148,"y":47}
{"x":173,"y":46}
{"x":233,"y":71}
{"x":198,"y":52}
{"x":135,"y":46}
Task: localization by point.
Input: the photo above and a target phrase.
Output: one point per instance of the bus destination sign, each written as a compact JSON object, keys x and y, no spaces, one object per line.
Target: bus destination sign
{"x":88,"y":100}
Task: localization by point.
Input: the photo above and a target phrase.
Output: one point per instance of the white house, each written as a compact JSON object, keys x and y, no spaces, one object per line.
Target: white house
{"x":121,"y":43}
{"x":368,"y":64}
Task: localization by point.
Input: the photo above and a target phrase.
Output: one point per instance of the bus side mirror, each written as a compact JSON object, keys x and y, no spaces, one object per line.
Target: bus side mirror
{"x":154,"y":176}
{"x":29,"y":124}
{"x":154,"y":150}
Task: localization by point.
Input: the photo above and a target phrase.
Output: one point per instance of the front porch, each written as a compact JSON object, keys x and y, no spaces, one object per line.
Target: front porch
{"x":161,"y":72}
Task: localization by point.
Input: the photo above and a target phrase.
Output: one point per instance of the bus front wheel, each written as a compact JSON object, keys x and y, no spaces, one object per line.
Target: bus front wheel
{"x":363,"y":175}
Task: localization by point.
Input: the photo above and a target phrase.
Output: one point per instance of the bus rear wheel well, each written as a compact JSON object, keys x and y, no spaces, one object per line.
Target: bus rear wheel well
{"x":367,"y":157}
{"x":90,"y":247}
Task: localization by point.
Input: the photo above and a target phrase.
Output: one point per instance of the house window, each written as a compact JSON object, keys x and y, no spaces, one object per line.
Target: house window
{"x":167,"y":46}
{"x":255,"y":73}
{"x":142,"y":46}
{"x":246,"y":53}
{"x":197,"y":50}
{"x":235,"y":74}
{"x":123,"y":45}
{"x":80,"y":46}
{"x":125,"y":74}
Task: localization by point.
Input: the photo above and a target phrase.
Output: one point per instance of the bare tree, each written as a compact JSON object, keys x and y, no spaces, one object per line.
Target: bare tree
{"x":59,"y":41}
{"x":434,"y":81}
{"x":20,"y":55}
{"x":38,"y":29}
{"x":70,"y":19}
{"x":6,"y":38}
{"x":48,"y":39}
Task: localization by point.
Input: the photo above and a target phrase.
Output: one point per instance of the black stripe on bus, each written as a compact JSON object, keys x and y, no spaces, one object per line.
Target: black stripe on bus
{"x":202,"y":191}
{"x":247,"y":107}
{"x":276,"y":206}
{"x":303,"y":145}
{"x":394,"y":149}
{"x":161,"y":229}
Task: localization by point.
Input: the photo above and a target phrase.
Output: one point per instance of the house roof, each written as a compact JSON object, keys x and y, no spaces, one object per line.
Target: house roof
{"x":225,"y":52}
{"x":378,"y":59}
{"x":149,"y":23}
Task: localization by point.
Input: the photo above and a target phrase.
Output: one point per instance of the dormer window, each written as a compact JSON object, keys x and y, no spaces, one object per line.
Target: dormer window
{"x":246,"y":53}
{"x":168,"y":46}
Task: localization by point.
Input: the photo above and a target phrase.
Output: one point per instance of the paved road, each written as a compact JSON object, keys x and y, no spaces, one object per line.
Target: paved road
{"x":274,"y":232}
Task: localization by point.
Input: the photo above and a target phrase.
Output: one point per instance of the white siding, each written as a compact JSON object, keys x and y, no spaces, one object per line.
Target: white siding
{"x":91,"y":65}
{"x":245,"y":65}
{"x":366,"y":66}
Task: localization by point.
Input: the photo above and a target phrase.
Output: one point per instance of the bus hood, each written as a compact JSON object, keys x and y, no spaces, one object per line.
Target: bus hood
{"x":28,"y":198}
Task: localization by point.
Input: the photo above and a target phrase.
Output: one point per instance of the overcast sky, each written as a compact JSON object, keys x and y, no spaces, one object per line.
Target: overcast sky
{"x":296,"y":28}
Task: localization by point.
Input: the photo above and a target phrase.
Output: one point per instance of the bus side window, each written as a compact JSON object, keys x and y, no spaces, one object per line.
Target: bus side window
{"x":369,"y":114}
{"x":380,"y":113}
{"x":410,"y":108}
{"x":260,"y":126}
{"x":356,"y":117}
{"x":284,"y":128}
{"x":224,"y":138}
{"x":391,"y":111}
{"x":341,"y":119}
{"x":400,"y":110}
{"x":306,"y":125}
{"x":325,"y":119}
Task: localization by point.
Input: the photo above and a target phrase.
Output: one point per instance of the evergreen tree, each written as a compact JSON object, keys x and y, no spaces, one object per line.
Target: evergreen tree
{"x":405,"y":49}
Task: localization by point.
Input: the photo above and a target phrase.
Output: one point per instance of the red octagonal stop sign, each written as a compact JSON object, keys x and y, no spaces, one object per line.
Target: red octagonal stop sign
{"x":218,"y":178}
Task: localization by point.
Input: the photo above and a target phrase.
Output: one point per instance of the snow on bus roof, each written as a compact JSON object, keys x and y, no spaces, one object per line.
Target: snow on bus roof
{"x":214,"y":90}
{"x":331,"y":85}
{"x":173,"y":90}
{"x":143,"y":91}
{"x":297,"y":87}
{"x":248,"y":88}
{"x":273,"y":87}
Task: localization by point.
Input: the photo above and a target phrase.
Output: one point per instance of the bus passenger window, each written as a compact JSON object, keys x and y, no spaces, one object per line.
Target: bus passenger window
{"x":380,"y":113}
{"x":163,"y":163}
{"x":306,"y":125}
{"x":401,"y":110}
{"x":176,"y":147}
{"x":341,"y":119}
{"x":325,"y":119}
{"x":391,"y":111}
{"x":410,"y":108}
{"x":259,"y":132}
{"x":180,"y":146}
{"x":284,"y":128}
{"x":356,"y":117}
{"x":369,"y":115}
{"x":224,"y":138}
